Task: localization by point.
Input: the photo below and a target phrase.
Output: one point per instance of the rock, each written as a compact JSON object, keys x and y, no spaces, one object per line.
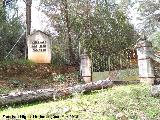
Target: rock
{"x":143,"y":116}
{"x":155,"y":90}
{"x":66,"y":110}
{"x":121,"y":116}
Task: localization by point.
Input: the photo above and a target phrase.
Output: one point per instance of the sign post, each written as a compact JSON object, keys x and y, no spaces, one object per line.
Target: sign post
{"x":39,"y":47}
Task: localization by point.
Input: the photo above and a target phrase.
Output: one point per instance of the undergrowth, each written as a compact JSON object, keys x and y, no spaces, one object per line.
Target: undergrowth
{"x":15,"y":62}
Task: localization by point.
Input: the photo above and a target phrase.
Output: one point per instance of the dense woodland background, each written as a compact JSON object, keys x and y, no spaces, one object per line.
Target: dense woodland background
{"x":103,"y":27}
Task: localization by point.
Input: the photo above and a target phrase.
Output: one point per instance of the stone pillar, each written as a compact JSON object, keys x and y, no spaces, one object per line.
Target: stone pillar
{"x":146,"y":69}
{"x":85,"y":68}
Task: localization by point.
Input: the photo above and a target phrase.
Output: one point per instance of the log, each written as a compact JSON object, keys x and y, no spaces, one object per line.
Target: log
{"x":21,"y":97}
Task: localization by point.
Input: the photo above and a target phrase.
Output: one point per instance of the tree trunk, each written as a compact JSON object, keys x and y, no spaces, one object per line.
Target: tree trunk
{"x":4,"y":10}
{"x":4,"y":3}
{"x":28,"y":22}
{"x":47,"y":94}
{"x":70,"y":48}
{"x":28,"y":16}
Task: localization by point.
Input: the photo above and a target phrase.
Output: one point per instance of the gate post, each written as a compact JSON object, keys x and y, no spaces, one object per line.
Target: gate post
{"x":85,"y":68}
{"x":146,"y":69}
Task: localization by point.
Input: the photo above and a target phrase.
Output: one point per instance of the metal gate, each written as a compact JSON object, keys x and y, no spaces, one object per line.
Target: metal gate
{"x":122,"y":66}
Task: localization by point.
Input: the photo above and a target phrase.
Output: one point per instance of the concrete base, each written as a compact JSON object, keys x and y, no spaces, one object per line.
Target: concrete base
{"x":148,"y":81}
{"x":87,"y":79}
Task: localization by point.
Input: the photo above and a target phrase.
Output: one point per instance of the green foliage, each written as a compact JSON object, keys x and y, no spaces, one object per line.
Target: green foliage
{"x":126,"y":74}
{"x":14,"y":62}
{"x":15,"y":83}
{"x":60,"y":78}
{"x":68,"y":77}
{"x":4,"y":90}
{"x":112,"y":32}
{"x":23,"y":62}
{"x":99,"y":27}
{"x":58,"y":56}
{"x":10,"y":30}
{"x":155,"y":39}
{"x":149,"y":16}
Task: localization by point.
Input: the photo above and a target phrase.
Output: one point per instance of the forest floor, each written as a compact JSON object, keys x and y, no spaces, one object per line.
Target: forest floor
{"x":132,"y":102}
{"x":26,"y":75}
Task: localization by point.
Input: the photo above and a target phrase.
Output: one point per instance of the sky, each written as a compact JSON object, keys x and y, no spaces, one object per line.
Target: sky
{"x":41,"y":22}
{"x":39,"y":19}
